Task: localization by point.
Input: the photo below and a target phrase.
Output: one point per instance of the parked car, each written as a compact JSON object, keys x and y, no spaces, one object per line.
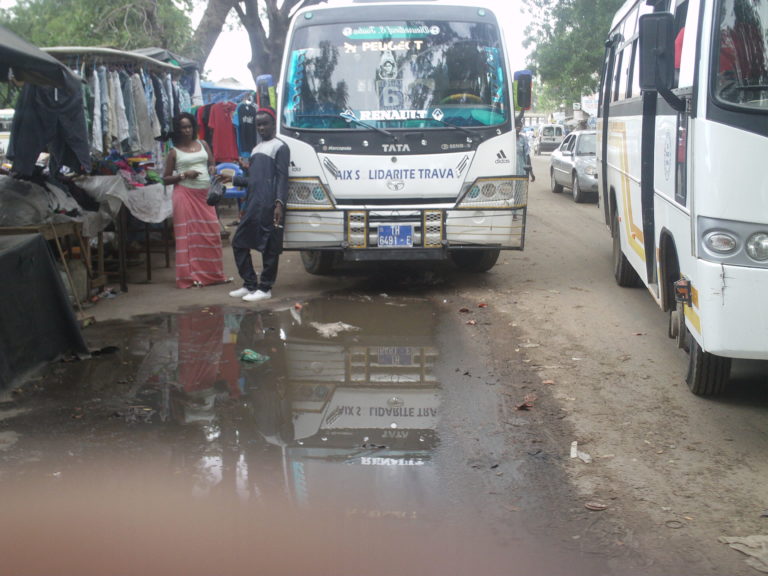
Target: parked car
{"x":548,"y":137}
{"x":573,"y":165}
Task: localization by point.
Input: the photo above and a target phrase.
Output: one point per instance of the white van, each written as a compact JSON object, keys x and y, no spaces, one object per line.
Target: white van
{"x":548,"y":138}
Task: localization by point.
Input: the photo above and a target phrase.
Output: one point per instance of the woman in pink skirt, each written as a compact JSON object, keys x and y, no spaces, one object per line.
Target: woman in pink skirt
{"x":188,"y":167}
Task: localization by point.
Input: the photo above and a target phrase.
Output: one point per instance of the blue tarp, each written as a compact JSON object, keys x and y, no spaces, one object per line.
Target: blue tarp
{"x":213,"y":93}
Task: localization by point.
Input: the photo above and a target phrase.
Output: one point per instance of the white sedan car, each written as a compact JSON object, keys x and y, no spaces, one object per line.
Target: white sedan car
{"x":573,"y":165}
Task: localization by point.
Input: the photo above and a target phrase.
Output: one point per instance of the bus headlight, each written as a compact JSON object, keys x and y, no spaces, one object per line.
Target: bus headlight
{"x":720,"y":242}
{"x":757,"y":246}
{"x":308,"y":194}
{"x":494,"y":193}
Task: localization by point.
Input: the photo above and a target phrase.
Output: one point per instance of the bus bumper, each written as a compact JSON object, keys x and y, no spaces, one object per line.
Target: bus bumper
{"x":431,"y":232}
{"x":732,"y":315}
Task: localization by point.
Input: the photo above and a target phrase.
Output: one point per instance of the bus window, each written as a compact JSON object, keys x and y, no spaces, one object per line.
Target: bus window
{"x":681,"y":12}
{"x":625,"y":71}
{"x":740,"y":67}
{"x":617,"y":76}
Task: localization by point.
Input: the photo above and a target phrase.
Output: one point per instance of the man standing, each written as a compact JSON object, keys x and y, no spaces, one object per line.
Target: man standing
{"x":524,"y":166}
{"x":261,"y":224}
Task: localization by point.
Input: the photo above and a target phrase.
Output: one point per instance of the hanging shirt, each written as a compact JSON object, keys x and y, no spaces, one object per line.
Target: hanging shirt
{"x":143,"y":123}
{"x":224,"y":138}
{"x":97,"y":138}
{"x":245,"y":122}
{"x":123,"y":134}
{"x":197,"y":91}
{"x":134,"y":144}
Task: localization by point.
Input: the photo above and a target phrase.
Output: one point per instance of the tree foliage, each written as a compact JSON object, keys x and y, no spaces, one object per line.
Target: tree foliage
{"x":566,"y":44}
{"x":119,"y":24}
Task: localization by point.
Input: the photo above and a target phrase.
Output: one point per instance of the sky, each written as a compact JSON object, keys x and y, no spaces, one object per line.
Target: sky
{"x":232,"y":52}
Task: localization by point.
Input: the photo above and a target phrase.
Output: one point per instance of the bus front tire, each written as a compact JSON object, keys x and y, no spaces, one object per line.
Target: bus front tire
{"x":475,"y":260}
{"x":708,"y":374}
{"x":317,"y":262}
{"x":623,"y":273}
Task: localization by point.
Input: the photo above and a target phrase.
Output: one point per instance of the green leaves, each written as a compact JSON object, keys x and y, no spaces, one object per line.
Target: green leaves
{"x":567,"y":44}
{"x":120,"y":24}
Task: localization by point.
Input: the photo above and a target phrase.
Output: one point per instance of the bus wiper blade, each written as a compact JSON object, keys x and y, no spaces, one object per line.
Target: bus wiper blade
{"x":349,"y":116}
{"x":457,"y":127}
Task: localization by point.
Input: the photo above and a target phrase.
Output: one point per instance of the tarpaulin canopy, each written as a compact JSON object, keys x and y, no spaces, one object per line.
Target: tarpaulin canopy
{"x":167,"y":56}
{"x":226,"y":90}
{"x":28,"y":62}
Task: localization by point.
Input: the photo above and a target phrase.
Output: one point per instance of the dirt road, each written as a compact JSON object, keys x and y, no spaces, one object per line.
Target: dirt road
{"x":675,"y":471}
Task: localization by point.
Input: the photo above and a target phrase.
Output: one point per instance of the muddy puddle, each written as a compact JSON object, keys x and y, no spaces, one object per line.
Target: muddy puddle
{"x":233,"y":441}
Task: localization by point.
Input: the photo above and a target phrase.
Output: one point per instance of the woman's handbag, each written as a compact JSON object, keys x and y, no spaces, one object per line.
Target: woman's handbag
{"x":215,"y":193}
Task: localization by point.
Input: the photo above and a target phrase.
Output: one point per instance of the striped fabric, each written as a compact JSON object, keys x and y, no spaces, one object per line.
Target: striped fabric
{"x":198,"y":239}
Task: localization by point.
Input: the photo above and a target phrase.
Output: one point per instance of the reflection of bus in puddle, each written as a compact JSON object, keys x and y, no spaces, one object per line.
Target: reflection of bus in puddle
{"x":367,"y":397}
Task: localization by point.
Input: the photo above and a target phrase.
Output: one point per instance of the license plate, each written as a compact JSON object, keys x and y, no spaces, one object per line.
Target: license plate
{"x":396,"y":235}
{"x":395,"y":356}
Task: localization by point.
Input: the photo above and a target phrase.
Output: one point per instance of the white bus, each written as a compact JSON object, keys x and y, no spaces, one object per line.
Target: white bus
{"x":682,"y":150}
{"x":400,"y":120}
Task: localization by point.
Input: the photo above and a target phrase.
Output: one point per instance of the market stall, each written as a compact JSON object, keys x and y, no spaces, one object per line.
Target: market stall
{"x":130,"y":101}
{"x":37,"y":323}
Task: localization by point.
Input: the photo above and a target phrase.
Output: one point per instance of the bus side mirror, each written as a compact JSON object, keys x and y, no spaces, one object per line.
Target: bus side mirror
{"x":523,"y":89}
{"x":657,"y":51}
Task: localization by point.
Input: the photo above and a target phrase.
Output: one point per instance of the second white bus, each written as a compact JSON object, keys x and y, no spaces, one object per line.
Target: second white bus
{"x":682,"y":149}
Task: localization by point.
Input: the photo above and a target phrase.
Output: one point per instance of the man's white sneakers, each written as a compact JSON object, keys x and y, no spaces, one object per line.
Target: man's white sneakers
{"x":257,"y":295}
{"x":240,"y":292}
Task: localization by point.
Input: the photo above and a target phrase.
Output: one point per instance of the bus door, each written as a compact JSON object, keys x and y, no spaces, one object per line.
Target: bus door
{"x":665,"y":129}
{"x":604,"y":106}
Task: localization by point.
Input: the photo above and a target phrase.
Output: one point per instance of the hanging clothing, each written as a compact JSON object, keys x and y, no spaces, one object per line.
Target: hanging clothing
{"x":134,"y":143}
{"x":245,"y":123}
{"x":224,"y":138}
{"x":123,"y":134}
{"x":50,"y":119}
{"x":143,"y":124}
{"x":197,"y":91}
{"x":104,"y":99}
{"x":162,"y":107}
{"x":97,"y":138}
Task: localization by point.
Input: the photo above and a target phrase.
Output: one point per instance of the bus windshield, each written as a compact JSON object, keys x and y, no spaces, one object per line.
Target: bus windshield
{"x":741,"y":68}
{"x":406,"y":74}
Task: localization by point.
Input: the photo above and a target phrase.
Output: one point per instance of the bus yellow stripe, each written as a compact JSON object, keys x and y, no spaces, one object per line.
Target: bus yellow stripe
{"x":691,"y":312}
{"x":635,"y":237}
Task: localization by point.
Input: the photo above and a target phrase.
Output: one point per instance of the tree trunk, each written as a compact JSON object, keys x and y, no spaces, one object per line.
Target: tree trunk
{"x":209,"y":29}
{"x":266,"y":48}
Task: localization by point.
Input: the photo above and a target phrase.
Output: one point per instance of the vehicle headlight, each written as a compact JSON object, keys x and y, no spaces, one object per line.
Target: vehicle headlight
{"x":757,"y":246}
{"x":720,"y":242}
{"x":590,"y":171}
{"x":308,"y":193}
{"x":494,"y":193}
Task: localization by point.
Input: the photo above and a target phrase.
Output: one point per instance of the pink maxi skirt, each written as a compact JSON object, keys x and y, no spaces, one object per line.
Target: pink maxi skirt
{"x":198,"y":239}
